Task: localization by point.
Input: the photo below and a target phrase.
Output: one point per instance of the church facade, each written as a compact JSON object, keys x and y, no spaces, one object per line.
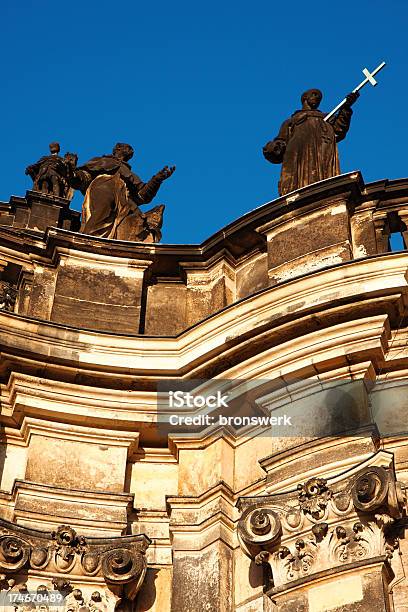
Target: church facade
{"x":111,"y":498}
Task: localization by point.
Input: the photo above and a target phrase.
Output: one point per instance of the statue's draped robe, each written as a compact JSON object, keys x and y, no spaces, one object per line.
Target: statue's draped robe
{"x":113,"y":194}
{"x":306,"y":147}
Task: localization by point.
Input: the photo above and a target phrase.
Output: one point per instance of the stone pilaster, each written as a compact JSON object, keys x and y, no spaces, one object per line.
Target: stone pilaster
{"x":203,"y":563}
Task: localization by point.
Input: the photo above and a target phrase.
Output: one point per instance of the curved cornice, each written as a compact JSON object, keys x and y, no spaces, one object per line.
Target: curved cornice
{"x":361,"y":289}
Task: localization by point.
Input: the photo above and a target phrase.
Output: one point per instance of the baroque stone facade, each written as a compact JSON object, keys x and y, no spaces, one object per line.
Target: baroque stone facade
{"x":302,"y":304}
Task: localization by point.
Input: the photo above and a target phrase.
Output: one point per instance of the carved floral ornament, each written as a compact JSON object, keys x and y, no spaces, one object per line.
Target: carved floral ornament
{"x":322,"y":526}
{"x":120,"y":561}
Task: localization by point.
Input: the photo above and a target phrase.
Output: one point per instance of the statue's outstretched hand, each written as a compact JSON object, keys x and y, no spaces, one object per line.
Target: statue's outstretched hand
{"x":352,"y":97}
{"x":166,"y":172}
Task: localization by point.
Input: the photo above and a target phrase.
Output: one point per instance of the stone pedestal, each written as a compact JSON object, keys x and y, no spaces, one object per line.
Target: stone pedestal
{"x":308,"y":238}
{"x":38,"y":211}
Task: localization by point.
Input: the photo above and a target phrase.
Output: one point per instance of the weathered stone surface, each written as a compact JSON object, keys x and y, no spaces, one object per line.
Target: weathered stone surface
{"x":203,"y":581}
{"x":38,"y":211}
{"x":99,"y":512}
{"x":361,"y":591}
{"x":155,"y":594}
{"x":42,"y":292}
{"x":96,"y":326}
{"x":324,"y":225}
{"x":252,"y":276}
{"x":363,"y":232}
{"x":76,"y":465}
{"x":97,"y":299}
{"x":308,"y":239}
{"x":166,"y":308}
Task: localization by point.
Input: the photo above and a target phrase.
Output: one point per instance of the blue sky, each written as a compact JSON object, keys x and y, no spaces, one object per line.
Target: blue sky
{"x":203,"y":86}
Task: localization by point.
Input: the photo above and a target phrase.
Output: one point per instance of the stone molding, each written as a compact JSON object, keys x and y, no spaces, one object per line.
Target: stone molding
{"x":212,"y":516}
{"x":41,"y":504}
{"x":99,"y":349}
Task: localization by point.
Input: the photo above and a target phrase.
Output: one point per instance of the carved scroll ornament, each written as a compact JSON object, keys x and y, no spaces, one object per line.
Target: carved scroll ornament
{"x":321,"y":526}
{"x":119,"y":560}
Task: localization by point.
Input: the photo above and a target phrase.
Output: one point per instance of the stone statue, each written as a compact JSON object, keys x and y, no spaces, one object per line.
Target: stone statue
{"x":51,"y":174}
{"x":306,"y":144}
{"x":75,"y":602}
{"x":71,"y":160}
{"x":113,"y":194}
{"x":96,"y":604}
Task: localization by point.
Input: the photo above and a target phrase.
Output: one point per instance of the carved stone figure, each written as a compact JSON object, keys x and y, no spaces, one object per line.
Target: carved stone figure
{"x":113,"y":194}
{"x":75,"y":601}
{"x":6,"y":584}
{"x":51,"y":174}
{"x":96,"y":604}
{"x":71,"y":160}
{"x":8,"y":296}
{"x":306,"y":144}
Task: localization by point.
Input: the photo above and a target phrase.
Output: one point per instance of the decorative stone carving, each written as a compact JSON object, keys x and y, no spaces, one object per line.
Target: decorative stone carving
{"x":68,"y":543}
{"x":288,"y":566}
{"x":286,"y":532}
{"x":120,"y":561}
{"x":8,"y":295}
{"x":75,"y":601}
{"x":306,"y":144}
{"x":320,"y":531}
{"x":113,"y":194}
{"x":260,"y":527}
{"x":6,"y":583}
{"x":97,"y":603}
{"x":375,"y":488}
{"x":62,"y":585}
{"x":52,"y":173}
{"x":314,"y":497}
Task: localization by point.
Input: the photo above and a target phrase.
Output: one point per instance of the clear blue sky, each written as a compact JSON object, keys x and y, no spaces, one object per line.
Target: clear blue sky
{"x":200,"y":85}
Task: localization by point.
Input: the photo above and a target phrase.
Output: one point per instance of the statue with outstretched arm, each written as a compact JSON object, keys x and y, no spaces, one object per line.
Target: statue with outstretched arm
{"x":113,"y":194}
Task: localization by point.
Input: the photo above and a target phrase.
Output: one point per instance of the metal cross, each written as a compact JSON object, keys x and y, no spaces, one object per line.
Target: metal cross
{"x":369,"y":79}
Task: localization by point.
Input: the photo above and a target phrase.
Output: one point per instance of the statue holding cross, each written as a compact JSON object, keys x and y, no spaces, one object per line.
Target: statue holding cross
{"x":306,"y":145}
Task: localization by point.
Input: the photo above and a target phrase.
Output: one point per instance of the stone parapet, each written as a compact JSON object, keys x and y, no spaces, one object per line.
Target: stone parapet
{"x":159,"y":289}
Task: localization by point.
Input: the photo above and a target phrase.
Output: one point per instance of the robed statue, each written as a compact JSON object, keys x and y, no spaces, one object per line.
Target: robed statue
{"x":113,"y":194}
{"x":306,"y":145}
